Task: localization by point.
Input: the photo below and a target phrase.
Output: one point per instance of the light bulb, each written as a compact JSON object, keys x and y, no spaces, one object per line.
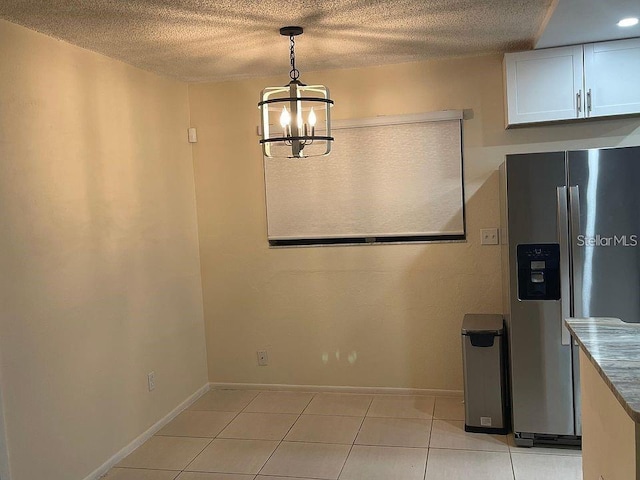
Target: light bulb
{"x":285,"y":118}
{"x":628,"y":22}
{"x":312,"y":118}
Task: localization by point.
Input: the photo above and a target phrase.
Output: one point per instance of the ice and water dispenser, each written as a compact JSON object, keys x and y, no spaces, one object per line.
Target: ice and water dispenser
{"x":538,"y":271}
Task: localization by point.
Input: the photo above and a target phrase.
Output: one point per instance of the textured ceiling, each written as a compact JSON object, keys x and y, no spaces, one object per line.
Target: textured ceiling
{"x":204,"y":40}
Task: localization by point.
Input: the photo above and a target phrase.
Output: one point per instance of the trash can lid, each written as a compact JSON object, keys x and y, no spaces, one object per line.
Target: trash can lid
{"x":482,"y":323}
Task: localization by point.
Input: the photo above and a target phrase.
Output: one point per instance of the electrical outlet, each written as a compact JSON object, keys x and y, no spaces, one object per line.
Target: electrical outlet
{"x":263,"y":360}
{"x":151,"y":380}
{"x":489,"y":236}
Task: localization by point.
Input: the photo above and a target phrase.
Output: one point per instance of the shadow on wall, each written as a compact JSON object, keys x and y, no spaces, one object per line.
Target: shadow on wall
{"x":586,"y":132}
{"x":590,"y":133}
{"x":447,"y":281}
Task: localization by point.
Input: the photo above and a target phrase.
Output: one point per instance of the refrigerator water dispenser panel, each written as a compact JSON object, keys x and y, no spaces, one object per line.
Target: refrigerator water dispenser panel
{"x":539,"y":271}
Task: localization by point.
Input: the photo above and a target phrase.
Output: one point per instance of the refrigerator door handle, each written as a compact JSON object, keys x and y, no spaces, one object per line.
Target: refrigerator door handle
{"x":576,"y":274}
{"x":565,"y":279}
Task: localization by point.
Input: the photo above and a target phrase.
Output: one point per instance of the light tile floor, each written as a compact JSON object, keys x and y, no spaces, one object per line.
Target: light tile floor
{"x":252,"y":435}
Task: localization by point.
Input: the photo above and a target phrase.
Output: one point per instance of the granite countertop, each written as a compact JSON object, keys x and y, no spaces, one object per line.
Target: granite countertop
{"x":613,"y":347}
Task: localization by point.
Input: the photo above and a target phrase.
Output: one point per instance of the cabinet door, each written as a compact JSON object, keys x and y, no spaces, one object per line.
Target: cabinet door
{"x":612,"y":77}
{"x":544,"y":85}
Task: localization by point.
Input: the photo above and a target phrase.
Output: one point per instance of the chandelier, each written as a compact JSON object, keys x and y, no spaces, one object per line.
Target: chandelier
{"x":296,"y":120}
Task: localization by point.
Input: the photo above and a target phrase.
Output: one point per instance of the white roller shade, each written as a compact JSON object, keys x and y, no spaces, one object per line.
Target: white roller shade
{"x":394,"y":177}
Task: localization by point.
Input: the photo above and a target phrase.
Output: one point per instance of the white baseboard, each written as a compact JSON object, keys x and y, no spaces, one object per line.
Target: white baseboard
{"x":106,"y":466}
{"x":336,"y":389}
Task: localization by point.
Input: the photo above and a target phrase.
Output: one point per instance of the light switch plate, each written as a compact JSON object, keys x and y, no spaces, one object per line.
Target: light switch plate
{"x":489,"y":236}
{"x":151,"y":380}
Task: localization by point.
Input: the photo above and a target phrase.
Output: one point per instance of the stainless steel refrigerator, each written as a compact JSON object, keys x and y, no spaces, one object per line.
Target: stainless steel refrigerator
{"x":569,"y":233}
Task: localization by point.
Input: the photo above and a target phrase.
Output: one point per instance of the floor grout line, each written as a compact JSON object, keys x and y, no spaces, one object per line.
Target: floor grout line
{"x":433,"y":416}
{"x":513,"y":470}
{"x":313,"y":395}
{"x":426,"y":465}
{"x":467,"y":450}
{"x":216,"y":436}
{"x":346,"y":459}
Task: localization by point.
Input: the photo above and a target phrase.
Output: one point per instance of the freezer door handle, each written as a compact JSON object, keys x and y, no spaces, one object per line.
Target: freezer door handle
{"x":577,"y":252}
{"x":565,"y":280}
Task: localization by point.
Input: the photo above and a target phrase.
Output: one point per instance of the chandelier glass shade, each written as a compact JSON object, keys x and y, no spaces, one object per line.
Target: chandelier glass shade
{"x":295,"y":118}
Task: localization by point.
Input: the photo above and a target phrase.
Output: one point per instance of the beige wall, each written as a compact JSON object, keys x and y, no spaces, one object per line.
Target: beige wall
{"x":99,"y":268}
{"x":394,"y":310}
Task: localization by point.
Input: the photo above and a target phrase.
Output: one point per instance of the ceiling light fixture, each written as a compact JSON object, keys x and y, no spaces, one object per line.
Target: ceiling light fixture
{"x":628,"y":22}
{"x":296,"y":120}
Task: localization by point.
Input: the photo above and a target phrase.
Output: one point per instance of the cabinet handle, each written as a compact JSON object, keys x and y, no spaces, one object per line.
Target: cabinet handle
{"x":589,"y":101}
{"x":578,"y":102}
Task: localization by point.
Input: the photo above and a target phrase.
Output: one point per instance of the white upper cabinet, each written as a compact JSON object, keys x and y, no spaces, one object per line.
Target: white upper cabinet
{"x":544,"y":85}
{"x":612,"y":77}
{"x":568,"y":83}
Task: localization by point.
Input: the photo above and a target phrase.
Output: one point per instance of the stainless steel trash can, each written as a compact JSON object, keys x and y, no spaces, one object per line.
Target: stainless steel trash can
{"x":484,"y":362}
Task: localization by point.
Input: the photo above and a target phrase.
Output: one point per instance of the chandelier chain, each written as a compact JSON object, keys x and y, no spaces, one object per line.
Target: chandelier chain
{"x":294,"y":73}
